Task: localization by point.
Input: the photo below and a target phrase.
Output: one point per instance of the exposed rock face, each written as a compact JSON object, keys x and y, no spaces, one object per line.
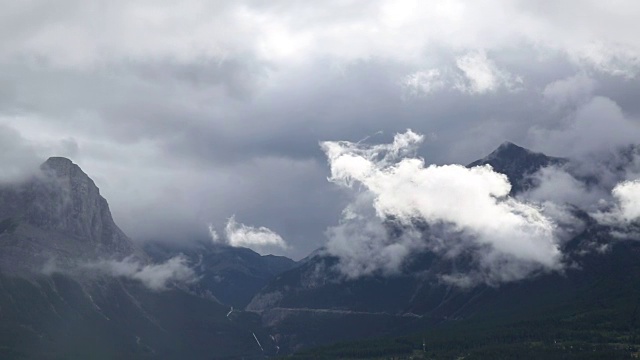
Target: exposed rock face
{"x":82,"y":211}
{"x":58,"y":214}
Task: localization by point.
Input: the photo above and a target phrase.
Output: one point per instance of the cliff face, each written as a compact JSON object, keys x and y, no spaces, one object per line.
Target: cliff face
{"x":81,"y":210}
{"x":58,"y":214}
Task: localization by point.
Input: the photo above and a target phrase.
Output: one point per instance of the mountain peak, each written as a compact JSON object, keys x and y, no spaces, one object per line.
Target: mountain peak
{"x":63,"y":167}
{"x":517,"y":163}
{"x":510,"y":149}
{"x":61,"y":215}
{"x":508,"y":144}
{"x":58,"y":159}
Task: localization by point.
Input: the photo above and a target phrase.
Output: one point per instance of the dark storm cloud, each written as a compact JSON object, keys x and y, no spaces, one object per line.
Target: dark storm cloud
{"x":189,"y":112}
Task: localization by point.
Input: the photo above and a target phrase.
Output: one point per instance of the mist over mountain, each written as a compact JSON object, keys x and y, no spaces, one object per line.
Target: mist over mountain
{"x":58,"y":215}
{"x":445,"y":275}
{"x":431,"y":179}
{"x":74,"y":285}
{"x":418,"y":246}
{"x":233,"y":275}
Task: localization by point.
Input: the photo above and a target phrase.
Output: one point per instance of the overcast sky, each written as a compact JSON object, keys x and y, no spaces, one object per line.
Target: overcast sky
{"x":187,"y":113}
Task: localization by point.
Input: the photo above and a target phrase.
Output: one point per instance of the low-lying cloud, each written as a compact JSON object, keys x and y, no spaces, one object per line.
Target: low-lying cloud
{"x":508,"y":239}
{"x":555,"y":184}
{"x":154,"y":276}
{"x":621,"y":214}
{"x":627,"y":194}
{"x":260,"y":239}
{"x":625,"y":207}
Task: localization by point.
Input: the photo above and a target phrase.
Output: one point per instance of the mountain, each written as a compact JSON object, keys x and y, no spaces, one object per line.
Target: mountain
{"x":233,"y":275}
{"x":59,"y":214}
{"x":317,"y":284}
{"x":416,"y":299}
{"x":518,"y":163}
{"x":590,"y":311}
{"x":73,"y":285}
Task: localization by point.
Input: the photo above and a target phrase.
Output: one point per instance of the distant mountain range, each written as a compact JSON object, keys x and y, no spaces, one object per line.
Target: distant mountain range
{"x":73,"y":285}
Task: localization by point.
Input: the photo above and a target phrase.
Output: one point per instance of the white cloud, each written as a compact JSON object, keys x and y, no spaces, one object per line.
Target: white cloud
{"x":423,"y":82}
{"x":283,"y":31}
{"x":481,"y":75}
{"x":555,"y":184}
{"x":214,"y":234}
{"x":363,"y":242}
{"x":509,"y":238}
{"x":154,"y":276}
{"x":472,"y":73}
{"x":260,"y":239}
{"x":622,"y":215}
{"x":628,"y":196}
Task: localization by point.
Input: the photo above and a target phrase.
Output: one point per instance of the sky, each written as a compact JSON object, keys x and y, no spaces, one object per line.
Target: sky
{"x":207,"y":118}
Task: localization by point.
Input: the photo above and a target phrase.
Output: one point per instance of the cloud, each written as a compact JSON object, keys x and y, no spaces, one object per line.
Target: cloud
{"x":21,"y":157}
{"x":509,"y":239}
{"x":423,"y":82}
{"x":365,"y":245}
{"x":186,"y":111}
{"x":156,"y":277}
{"x":556,"y":185}
{"x":597,"y":126}
{"x":472,"y":73}
{"x":571,"y":91}
{"x":481,"y":75}
{"x":622,"y":214}
{"x":290,"y":32}
{"x":18,"y":157}
{"x":260,"y":239}
{"x":626,"y":205}
{"x":213,"y":234}
{"x":628,"y":196}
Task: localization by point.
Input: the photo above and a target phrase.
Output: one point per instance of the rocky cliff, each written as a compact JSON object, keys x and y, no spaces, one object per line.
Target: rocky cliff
{"x":57,"y":215}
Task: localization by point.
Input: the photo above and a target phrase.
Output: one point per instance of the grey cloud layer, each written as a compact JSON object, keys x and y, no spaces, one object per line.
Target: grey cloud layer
{"x":186,"y":112}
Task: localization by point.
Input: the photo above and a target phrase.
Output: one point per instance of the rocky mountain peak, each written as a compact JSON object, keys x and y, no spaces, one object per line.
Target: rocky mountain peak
{"x":510,"y":151}
{"x":59,"y":214}
{"x":63,"y":167}
{"x":517,"y":163}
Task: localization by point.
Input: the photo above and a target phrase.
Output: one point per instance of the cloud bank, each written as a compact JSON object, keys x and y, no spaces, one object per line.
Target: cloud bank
{"x":216,"y":108}
{"x":509,"y":239}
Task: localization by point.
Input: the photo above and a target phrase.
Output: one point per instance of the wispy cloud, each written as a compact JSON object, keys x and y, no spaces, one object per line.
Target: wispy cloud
{"x":154,"y":276}
{"x":481,"y":75}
